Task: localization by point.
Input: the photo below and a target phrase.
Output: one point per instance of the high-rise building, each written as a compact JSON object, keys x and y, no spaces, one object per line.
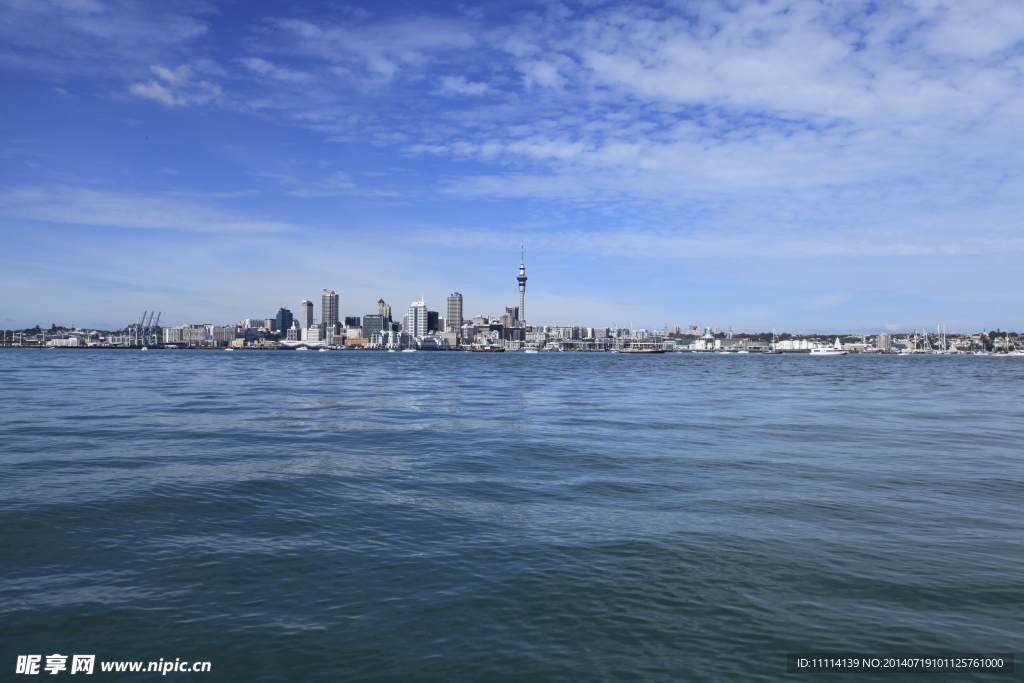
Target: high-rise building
{"x":284,"y":319}
{"x":415,"y":322}
{"x":384,"y":310}
{"x":454,"y":312}
{"x":433,"y":318}
{"x":522,"y":290}
{"x":306,"y":314}
{"x":373,"y":324}
{"x":353,"y":321}
{"x":329,"y":310}
{"x":511,"y":317}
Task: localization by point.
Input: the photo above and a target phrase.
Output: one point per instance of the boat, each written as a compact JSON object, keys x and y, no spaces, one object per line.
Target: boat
{"x":486,"y":349}
{"x":774,"y":348}
{"x":834,"y":350}
{"x":302,"y":348}
{"x":322,"y":350}
{"x":642,"y":351}
{"x":743,"y":351}
{"x":227,"y":349}
{"x":145,"y":348}
{"x":529,"y":350}
{"x":408,"y":350}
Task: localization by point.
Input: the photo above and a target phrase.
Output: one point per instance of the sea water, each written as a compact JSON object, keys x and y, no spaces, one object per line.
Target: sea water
{"x":445,"y":516}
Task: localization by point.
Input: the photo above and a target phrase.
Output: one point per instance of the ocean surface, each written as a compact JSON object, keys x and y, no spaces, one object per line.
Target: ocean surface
{"x":341,"y":516}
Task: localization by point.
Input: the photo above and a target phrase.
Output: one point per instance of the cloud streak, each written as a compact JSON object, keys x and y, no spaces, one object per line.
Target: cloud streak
{"x":127,"y":210}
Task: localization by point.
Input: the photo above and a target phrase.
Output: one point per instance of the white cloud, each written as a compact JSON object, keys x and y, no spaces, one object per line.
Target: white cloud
{"x":459,"y":85}
{"x":180,"y":89}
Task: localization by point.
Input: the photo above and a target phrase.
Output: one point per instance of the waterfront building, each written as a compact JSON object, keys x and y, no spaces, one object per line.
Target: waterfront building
{"x":284,"y":319}
{"x":563,"y":332}
{"x":353,"y":321}
{"x":199,"y":335}
{"x":270,"y":324}
{"x":294,"y":333}
{"x":454,"y":319}
{"x":415,"y":321}
{"x":312,"y":333}
{"x":884,"y":342}
{"x":433,"y":321}
{"x":305,"y":314}
{"x":384,"y":310}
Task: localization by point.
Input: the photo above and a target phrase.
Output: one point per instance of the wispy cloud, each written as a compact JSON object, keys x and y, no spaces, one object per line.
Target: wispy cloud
{"x":66,"y":37}
{"x":127,"y":210}
{"x":176,"y":87}
{"x":460,"y":85}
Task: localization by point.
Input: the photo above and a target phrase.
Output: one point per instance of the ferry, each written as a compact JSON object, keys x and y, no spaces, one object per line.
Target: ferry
{"x":487,"y":349}
{"x":834,"y":350}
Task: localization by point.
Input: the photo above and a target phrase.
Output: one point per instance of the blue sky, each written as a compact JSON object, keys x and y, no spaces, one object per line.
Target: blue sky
{"x":807,"y":165}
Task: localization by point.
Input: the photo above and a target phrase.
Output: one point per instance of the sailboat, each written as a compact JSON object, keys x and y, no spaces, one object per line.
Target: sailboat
{"x":773,"y":349}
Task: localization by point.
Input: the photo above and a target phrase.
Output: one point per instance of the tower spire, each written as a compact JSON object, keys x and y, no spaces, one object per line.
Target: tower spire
{"x":522,"y":284}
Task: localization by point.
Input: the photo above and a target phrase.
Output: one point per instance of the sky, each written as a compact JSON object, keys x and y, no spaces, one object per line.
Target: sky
{"x":803,"y":165}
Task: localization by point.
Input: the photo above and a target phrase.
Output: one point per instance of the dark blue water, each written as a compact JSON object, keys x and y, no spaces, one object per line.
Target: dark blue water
{"x":507,"y":517}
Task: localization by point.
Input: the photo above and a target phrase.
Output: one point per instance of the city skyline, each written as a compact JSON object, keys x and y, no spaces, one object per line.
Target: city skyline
{"x":802,"y":165}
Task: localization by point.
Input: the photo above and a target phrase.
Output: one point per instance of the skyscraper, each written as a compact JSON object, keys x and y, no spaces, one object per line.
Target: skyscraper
{"x":511,"y":317}
{"x":454,"y":312}
{"x":522,"y":289}
{"x":284,"y":320}
{"x":329,"y":310}
{"x":306,"y":314}
{"x":373,"y":324}
{"x":415,"y":322}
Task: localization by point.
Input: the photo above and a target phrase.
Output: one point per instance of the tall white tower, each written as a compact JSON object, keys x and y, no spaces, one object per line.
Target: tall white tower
{"x":415,"y":322}
{"x":522,"y":288}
